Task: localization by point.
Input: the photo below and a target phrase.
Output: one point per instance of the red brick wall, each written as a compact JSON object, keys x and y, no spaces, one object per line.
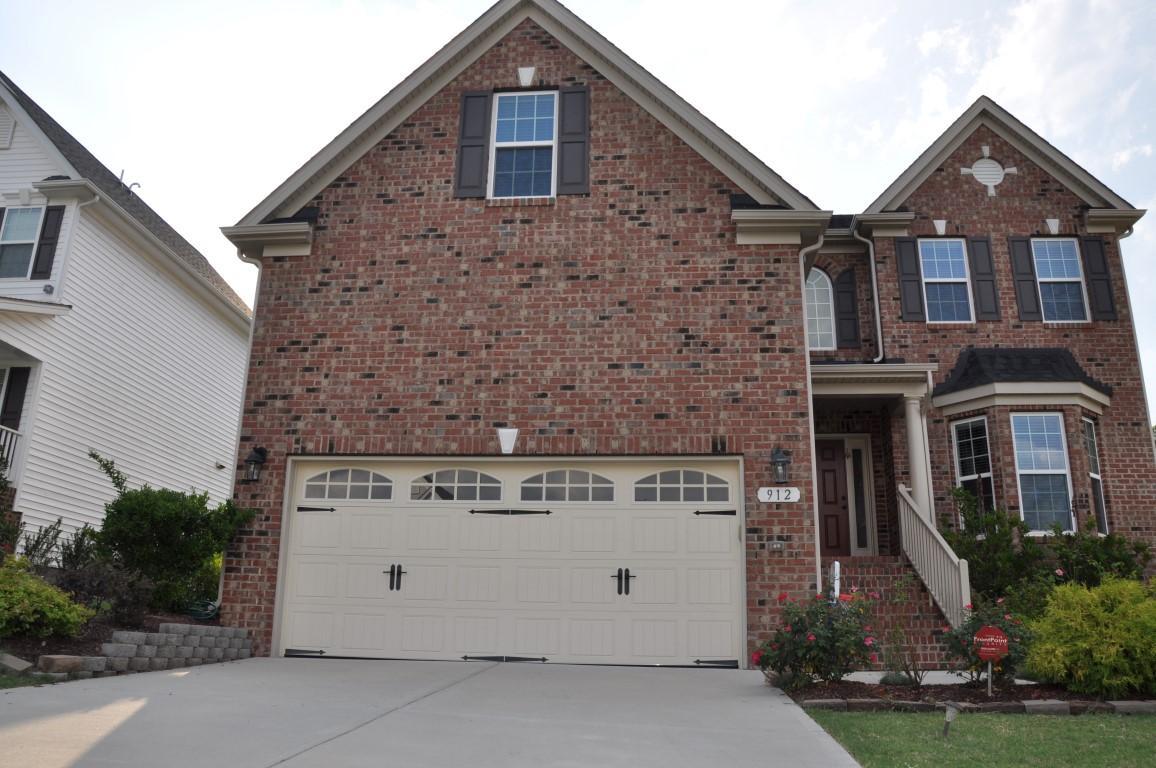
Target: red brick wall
{"x":1105,"y":349}
{"x":622,"y":322}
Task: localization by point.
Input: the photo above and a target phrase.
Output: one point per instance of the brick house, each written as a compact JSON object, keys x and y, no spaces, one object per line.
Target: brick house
{"x":532,"y":334}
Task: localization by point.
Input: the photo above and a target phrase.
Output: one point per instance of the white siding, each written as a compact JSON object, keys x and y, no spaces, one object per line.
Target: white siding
{"x":141,"y":370}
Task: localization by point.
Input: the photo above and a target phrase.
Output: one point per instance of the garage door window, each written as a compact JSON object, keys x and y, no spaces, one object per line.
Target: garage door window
{"x":682,"y":485}
{"x":567,"y":485}
{"x":349,"y":484}
{"x":456,"y":485}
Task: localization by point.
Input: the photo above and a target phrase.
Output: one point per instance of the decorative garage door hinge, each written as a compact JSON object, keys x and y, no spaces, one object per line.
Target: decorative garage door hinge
{"x":302,"y":652}
{"x":509,"y":511}
{"x":728,"y":663}
{"x":316,"y":509}
{"x":731,"y":512}
{"x":541,"y":659}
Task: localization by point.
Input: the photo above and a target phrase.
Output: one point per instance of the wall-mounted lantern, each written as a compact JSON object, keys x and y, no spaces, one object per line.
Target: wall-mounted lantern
{"x":253,"y":463}
{"x":780,"y":464}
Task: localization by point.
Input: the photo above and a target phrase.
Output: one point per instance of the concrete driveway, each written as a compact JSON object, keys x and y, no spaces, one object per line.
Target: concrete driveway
{"x":336,"y":713}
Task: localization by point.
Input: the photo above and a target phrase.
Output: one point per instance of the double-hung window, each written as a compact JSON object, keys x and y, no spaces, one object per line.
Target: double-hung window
{"x":1092,"y":448}
{"x":18,"y":234}
{"x":820,"y":310}
{"x":1042,"y":468}
{"x":1061,"y":280}
{"x":523,"y":150}
{"x":946,"y":287}
{"x":973,"y":460}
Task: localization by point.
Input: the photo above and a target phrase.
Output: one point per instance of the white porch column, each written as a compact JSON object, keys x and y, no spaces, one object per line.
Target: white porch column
{"x":917,"y":454}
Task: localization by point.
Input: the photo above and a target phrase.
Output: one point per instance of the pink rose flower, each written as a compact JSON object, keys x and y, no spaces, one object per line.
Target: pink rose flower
{"x":874,"y":658}
{"x":810,"y":638}
{"x":1060,"y":572}
{"x":869,"y":641}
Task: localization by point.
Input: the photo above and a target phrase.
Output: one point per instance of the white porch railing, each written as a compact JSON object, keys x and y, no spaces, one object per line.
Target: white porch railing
{"x":944,"y":574}
{"x":9,"y":440}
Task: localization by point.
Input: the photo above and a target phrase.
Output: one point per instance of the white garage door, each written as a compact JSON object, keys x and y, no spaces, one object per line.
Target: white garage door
{"x":627,"y":562}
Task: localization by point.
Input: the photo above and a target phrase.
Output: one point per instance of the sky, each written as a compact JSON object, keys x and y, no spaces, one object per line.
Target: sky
{"x":209,"y":105}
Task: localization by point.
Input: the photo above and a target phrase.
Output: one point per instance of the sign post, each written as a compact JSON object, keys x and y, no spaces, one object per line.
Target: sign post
{"x":992,"y":646}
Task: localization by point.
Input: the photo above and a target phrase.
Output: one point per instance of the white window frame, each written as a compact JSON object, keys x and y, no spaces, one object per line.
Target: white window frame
{"x":495,"y":145}
{"x":1093,"y":451}
{"x":966,"y":280}
{"x":457,"y":483}
{"x":1067,"y":468}
{"x":659,"y":484}
{"x":830,"y":310}
{"x":34,"y":241}
{"x":1082,"y":280}
{"x":593,"y":480}
{"x":990,"y":474}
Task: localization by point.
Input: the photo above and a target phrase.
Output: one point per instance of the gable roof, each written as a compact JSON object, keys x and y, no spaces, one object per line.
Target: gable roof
{"x":977,"y":367}
{"x":1033,"y":146}
{"x":724,"y":152}
{"x":86,"y":166}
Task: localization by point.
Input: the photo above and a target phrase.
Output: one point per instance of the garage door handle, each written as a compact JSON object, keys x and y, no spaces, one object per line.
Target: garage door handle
{"x":619,"y":577}
{"x":395,"y":573}
{"x":399,"y":573}
{"x":628,"y":578}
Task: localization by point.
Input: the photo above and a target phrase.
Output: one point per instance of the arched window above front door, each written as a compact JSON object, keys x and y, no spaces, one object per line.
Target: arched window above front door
{"x":820,"y":311}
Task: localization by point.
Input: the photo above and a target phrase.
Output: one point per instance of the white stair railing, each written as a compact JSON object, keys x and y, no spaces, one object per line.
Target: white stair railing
{"x":9,"y":439}
{"x":942,"y":571}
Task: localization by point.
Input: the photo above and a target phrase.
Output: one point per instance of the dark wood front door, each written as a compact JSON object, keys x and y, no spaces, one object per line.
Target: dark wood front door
{"x":834,"y":521}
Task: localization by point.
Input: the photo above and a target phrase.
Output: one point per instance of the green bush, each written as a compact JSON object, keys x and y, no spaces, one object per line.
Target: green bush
{"x":1099,"y":640}
{"x":961,"y":645}
{"x":819,"y":639}
{"x":31,"y":606}
{"x":121,"y":595}
{"x":1088,"y":558}
{"x":80,"y":549}
{"x":999,"y":552}
{"x":42,"y":547}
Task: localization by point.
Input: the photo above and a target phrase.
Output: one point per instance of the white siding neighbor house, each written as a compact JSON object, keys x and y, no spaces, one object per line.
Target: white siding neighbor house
{"x":115,"y":333}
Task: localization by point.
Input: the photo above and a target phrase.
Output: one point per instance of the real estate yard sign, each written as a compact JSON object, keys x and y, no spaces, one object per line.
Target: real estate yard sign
{"x":992,"y":646}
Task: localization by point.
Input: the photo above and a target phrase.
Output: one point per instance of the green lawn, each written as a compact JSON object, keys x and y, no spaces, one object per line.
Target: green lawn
{"x":10,"y":681}
{"x":915,"y":740}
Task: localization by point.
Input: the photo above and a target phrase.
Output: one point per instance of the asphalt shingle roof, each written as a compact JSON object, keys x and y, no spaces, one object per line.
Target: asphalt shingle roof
{"x":977,"y":367}
{"x":107,"y":182}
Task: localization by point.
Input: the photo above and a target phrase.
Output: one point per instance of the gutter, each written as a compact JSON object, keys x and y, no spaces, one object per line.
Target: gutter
{"x":803,"y":254}
{"x":880,"y":353}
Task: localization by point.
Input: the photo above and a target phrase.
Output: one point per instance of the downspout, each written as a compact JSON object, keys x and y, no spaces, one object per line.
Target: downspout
{"x":874,"y":289}
{"x":803,"y":254}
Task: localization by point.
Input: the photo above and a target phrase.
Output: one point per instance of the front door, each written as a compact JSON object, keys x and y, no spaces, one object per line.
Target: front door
{"x":834,"y":522}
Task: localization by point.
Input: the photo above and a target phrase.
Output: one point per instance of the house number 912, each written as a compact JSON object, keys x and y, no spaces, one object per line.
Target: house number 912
{"x":779,"y":495}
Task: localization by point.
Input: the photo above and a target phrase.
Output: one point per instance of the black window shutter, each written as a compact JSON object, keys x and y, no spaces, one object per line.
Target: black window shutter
{"x":1024,"y":272}
{"x":1,"y":219}
{"x":983,"y":285}
{"x":910,"y":279}
{"x":574,"y":141}
{"x":846,"y":311}
{"x":46,"y":247}
{"x":473,"y":145}
{"x":1099,"y":279}
{"x":13,"y":405}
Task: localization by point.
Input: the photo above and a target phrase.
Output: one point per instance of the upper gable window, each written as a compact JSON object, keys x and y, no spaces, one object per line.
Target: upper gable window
{"x":19,"y":231}
{"x":523,"y":151}
{"x":1061,"y":281}
{"x":820,"y":311}
{"x":682,"y":485}
{"x":946,"y":287}
{"x":456,"y":485}
{"x":567,"y":485}
{"x":349,"y":484}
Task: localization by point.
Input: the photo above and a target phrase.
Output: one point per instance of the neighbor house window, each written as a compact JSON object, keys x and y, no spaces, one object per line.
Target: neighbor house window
{"x":973,"y":460}
{"x":523,"y":148}
{"x":18,"y":233}
{"x":1092,"y":447}
{"x":1042,"y":468}
{"x":820,"y":311}
{"x":946,"y":288}
{"x":1061,"y":281}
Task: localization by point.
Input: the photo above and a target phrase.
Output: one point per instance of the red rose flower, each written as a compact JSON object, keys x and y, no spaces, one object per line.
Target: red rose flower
{"x":782,"y":597}
{"x":757,"y":658}
{"x":811,"y":638}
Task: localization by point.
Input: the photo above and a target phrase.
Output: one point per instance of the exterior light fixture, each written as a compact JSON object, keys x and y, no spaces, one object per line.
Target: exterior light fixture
{"x":780,"y":463}
{"x":253,"y":463}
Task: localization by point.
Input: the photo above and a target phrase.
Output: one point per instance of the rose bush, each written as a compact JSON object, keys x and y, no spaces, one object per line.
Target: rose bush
{"x":819,"y":639}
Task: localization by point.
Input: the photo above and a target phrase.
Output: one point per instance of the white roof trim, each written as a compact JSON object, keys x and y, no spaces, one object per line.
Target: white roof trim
{"x":33,"y":307}
{"x":986,"y":112}
{"x":1020,"y":393}
{"x":748,"y":172}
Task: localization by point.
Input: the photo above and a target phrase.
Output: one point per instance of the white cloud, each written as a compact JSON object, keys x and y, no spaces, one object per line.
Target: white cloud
{"x":1124,"y":156}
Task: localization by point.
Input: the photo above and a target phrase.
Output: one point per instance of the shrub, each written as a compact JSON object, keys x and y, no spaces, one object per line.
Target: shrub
{"x":962,"y":647}
{"x":40,"y":548}
{"x":80,"y":549}
{"x":11,"y":531}
{"x":166,"y":535}
{"x":1088,"y":558}
{"x":31,"y":606}
{"x":1098,"y":640}
{"x":112,"y":591}
{"x":820,"y":639}
{"x":1000,"y":554}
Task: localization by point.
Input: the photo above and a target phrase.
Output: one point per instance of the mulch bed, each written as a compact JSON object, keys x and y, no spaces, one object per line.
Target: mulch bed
{"x":95,"y":633}
{"x":973,"y":693}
